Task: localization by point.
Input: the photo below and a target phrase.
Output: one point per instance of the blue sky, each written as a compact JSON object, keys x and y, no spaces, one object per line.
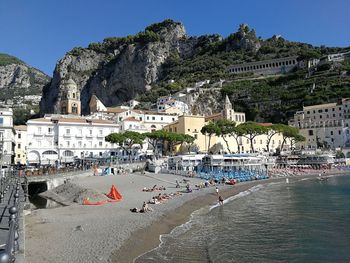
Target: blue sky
{"x":41,"y":31}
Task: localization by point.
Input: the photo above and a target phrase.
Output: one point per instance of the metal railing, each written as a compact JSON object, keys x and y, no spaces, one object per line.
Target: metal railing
{"x":10,"y":192}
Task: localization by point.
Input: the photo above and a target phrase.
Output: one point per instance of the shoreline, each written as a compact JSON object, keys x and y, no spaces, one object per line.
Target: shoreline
{"x":148,"y":238}
{"x":110,"y":232}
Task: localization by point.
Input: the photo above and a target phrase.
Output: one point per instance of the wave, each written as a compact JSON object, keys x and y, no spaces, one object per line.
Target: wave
{"x":239,"y":195}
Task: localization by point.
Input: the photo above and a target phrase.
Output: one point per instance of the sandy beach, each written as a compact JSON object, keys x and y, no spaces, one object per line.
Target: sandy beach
{"x":110,"y":232}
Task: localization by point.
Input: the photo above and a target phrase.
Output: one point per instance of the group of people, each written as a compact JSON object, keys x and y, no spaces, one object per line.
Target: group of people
{"x":154,"y":188}
{"x":145,"y":208}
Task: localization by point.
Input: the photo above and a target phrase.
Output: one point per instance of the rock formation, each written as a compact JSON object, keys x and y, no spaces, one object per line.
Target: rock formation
{"x":18,"y":78}
{"x":118,"y":69}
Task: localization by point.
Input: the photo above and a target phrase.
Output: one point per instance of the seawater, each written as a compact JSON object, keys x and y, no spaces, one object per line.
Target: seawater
{"x":303,"y":221}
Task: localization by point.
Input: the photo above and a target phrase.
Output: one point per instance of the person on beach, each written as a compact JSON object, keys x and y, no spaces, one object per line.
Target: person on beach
{"x":177,"y":184}
{"x":217,"y":190}
{"x":221,"y":200}
{"x":145,"y":208}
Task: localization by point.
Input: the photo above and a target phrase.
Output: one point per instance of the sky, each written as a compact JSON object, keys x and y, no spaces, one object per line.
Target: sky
{"x":40,"y":32}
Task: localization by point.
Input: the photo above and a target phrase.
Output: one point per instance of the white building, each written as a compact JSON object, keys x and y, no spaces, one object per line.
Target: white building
{"x":7,"y":138}
{"x":61,"y":139}
{"x":338,"y":57}
{"x":21,"y":144}
{"x":176,"y":102}
{"x":151,"y":120}
{"x":324,"y":125}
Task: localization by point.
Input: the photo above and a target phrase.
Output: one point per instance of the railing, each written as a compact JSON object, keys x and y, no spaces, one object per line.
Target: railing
{"x":12,"y":182}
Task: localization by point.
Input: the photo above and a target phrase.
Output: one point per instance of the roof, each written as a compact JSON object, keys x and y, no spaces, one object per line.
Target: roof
{"x":74,"y":120}
{"x":320,"y":106}
{"x":20,"y":127}
{"x":115,"y":110}
{"x":265,"y":124}
{"x":214,"y":115}
{"x":131,"y":119}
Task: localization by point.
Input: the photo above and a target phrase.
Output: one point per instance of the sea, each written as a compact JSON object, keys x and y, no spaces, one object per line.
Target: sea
{"x":307,"y":220}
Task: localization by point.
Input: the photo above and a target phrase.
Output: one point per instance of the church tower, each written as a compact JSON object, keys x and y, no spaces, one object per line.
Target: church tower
{"x":228,"y":104}
{"x":70,"y":99}
{"x":229,"y":113}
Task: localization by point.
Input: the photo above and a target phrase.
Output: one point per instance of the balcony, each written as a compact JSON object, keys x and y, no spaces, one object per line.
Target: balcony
{"x":79,"y":136}
{"x":100,"y":136}
{"x":67,"y":135}
{"x":38,"y":134}
{"x":50,"y":134}
{"x":89,"y":136}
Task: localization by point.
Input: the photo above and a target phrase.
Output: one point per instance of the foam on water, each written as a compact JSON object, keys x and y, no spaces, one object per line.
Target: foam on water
{"x":312,"y":214}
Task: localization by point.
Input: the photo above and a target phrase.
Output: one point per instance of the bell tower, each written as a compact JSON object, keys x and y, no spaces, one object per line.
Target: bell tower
{"x":70,"y":99}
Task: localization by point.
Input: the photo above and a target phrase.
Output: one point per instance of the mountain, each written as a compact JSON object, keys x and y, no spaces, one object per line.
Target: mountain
{"x":19,"y":79}
{"x":162,"y":60}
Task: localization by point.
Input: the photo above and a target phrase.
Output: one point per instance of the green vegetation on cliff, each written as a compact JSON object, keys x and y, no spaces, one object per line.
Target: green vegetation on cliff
{"x":7,"y":59}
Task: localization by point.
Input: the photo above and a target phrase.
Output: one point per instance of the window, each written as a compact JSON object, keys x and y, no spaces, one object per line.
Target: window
{"x":195,"y":136}
{"x":18,"y":156}
{"x":153,"y":118}
{"x":100,"y":144}
{"x":39,"y":130}
{"x":331,"y":132}
{"x":311,"y":132}
{"x":79,"y":144}
{"x":147,"y":118}
{"x":188,"y":129}
{"x":161,"y":118}
{"x":100,"y":132}
{"x":1,"y":121}
{"x":173,"y":119}
{"x":19,"y":136}
{"x":19,"y":146}
{"x":68,"y":131}
{"x":68,"y":143}
{"x":49,"y":130}
{"x":90,"y":132}
{"x":339,"y":132}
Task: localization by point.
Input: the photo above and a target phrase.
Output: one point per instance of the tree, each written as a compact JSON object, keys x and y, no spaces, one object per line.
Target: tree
{"x":210,"y":129}
{"x":250,"y":130}
{"x":127,"y":140}
{"x":155,"y":138}
{"x":174,"y":139}
{"x":236,"y":133}
{"x":216,"y":148}
{"x":287,"y":132}
{"x":270,"y":132}
{"x":297,"y":138}
{"x":189,"y":140}
{"x":226,"y":128}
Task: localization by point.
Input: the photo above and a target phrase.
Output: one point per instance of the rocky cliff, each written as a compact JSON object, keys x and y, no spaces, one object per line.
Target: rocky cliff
{"x":18,"y":78}
{"x":118,"y":69}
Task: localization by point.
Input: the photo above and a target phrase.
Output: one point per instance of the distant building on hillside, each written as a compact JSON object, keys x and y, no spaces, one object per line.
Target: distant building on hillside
{"x":227,"y":113}
{"x":265,"y":67}
{"x":324,"y":125}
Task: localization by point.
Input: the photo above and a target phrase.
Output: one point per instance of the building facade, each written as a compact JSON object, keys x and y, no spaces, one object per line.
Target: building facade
{"x":324,"y":125}
{"x":21,"y":144}
{"x":151,"y":120}
{"x":265,"y":67}
{"x":7,"y":138}
{"x":56,"y":140}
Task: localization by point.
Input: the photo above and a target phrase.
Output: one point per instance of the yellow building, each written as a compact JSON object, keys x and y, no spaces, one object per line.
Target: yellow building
{"x":21,"y":144}
{"x":191,"y":125}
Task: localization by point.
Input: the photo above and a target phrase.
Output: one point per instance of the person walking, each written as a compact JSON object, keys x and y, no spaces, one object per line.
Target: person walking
{"x":221,"y":200}
{"x":217,"y":191}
